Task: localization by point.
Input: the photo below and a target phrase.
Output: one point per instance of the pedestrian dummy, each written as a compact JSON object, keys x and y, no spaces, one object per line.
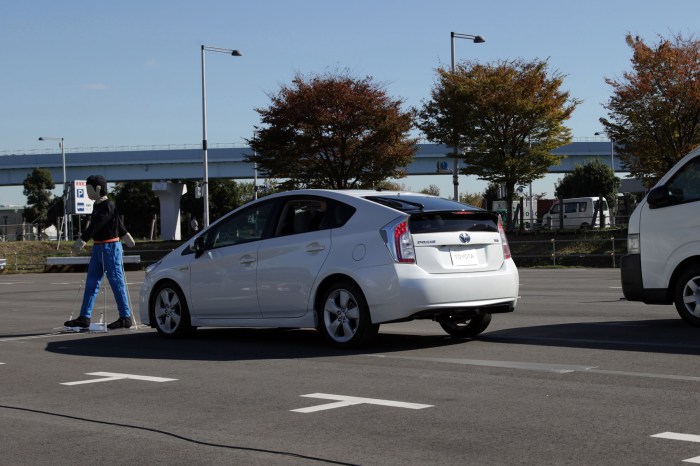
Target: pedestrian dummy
{"x":105,"y":229}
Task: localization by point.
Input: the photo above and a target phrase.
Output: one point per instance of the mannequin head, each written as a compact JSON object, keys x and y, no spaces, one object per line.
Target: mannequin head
{"x":96,"y":187}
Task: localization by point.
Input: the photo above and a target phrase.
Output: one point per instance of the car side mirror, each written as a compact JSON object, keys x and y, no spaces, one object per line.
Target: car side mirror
{"x":660,"y":197}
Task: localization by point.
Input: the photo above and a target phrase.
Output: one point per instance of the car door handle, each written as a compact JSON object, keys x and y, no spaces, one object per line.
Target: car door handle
{"x":315,"y":247}
{"x":245,"y":260}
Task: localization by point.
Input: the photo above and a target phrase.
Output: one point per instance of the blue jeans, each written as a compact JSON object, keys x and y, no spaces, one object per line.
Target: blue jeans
{"x":106,"y":259}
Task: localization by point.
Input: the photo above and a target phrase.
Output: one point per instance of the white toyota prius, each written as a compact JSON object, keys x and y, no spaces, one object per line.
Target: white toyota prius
{"x":343,"y":262}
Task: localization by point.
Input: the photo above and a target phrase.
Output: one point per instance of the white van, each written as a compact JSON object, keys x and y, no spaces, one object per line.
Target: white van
{"x":579,"y":212}
{"x":663,"y":243}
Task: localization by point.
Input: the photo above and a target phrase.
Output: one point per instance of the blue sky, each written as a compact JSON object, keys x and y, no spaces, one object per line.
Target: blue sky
{"x":128,"y":73}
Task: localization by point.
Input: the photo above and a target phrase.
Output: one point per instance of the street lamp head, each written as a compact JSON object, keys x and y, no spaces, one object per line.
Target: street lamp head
{"x":479,"y":40}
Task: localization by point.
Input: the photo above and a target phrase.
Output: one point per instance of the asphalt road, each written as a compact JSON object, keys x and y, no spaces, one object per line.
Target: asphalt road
{"x":575,"y":376}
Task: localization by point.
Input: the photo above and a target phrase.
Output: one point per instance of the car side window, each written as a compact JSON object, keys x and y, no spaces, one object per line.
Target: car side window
{"x":243,"y":227}
{"x":570,"y":207}
{"x":302,"y":215}
{"x":685,"y":185}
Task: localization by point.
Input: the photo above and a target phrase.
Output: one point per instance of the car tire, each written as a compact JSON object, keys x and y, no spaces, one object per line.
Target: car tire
{"x":463,"y":327}
{"x":344,"y":315}
{"x":686,"y":295}
{"x":170,"y":313}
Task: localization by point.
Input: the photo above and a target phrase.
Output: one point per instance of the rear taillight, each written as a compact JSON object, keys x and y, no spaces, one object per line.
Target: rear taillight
{"x":399,"y":241}
{"x":504,"y":240}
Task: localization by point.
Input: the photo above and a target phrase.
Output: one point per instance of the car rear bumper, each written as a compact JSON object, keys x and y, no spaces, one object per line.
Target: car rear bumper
{"x":413,"y":293}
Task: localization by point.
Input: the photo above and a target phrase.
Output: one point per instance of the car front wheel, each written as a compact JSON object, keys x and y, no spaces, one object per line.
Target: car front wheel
{"x":687,"y":296}
{"x":465,"y":327}
{"x":345,"y":320}
{"x":170,"y":313}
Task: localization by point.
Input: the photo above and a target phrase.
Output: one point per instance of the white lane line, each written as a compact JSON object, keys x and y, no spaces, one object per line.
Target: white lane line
{"x":534,"y":366}
{"x":342,"y":401}
{"x":33,"y":337}
{"x":111,"y":376}
{"x":678,"y":436}
{"x":687,"y":378}
{"x":619,"y":343}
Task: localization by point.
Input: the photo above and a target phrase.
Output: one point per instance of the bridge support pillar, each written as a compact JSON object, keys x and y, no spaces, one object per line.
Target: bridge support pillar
{"x":169,"y":195}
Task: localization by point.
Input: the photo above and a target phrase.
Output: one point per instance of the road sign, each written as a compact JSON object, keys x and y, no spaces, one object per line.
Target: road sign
{"x":78,"y":200}
{"x":442,"y":167}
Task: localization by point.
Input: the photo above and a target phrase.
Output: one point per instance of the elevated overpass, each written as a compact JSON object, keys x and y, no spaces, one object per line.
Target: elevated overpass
{"x":160,"y":164}
{"x":156,"y":163}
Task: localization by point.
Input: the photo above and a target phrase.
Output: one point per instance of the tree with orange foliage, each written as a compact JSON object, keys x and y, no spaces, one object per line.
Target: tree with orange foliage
{"x":654,"y":112}
{"x":333,"y":131}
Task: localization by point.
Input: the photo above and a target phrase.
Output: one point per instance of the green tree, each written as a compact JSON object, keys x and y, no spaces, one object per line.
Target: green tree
{"x":37,"y":187}
{"x":654,"y":111}
{"x":475,"y":199}
{"x":224,"y":196}
{"x":508,"y":116}
{"x":333,"y":131}
{"x":490,"y":195}
{"x":590,"y":180}
{"x":138,"y":204}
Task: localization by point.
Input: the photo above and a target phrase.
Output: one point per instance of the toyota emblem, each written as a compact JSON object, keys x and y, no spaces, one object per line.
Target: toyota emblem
{"x":463,"y":237}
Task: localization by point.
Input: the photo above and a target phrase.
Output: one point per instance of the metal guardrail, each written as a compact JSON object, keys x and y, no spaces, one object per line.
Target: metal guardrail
{"x":38,"y":262}
{"x":558,"y":249}
{"x":83,"y":150}
{"x":557,"y":254}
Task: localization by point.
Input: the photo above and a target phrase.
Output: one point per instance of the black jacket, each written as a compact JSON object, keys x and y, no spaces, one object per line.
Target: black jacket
{"x":104,"y":223}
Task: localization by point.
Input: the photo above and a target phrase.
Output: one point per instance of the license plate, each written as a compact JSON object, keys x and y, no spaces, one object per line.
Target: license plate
{"x":464,"y":257}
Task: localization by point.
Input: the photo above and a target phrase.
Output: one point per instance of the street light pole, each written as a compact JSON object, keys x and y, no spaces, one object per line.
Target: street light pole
{"x":205,"y":184}
{"x":65,"y":183}
{"x":476,"y":40}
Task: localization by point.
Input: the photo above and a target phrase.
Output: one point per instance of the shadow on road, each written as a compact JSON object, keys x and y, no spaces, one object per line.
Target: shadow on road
{"x":233,"y":344}
{"x":670,"y":336}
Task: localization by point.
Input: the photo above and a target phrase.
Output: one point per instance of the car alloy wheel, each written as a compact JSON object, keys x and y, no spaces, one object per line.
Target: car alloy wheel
{"x":170,"y":313}
{"x":345,"y":315}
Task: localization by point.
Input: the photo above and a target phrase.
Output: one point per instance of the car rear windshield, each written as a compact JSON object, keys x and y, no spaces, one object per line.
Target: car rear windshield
{"x":412,"y":203}
{"x":439,"y":222}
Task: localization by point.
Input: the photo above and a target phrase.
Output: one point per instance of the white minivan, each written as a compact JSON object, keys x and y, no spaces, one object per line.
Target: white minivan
{"x":579,"y":213}
{"x":663,"y":243}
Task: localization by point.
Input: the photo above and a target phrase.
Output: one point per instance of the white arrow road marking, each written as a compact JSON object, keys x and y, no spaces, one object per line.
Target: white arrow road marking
{"x":342,"y":401}
{"x":685,"y":438}
{"x":110,"y":376}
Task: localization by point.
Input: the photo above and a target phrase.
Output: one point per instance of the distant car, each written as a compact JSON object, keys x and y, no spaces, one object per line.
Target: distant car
{"x":339,"y":261}
{"x":579,"y":213}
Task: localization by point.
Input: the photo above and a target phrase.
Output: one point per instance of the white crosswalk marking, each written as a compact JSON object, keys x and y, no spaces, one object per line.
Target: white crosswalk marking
{"x":683,"y":437}
{"x":111,"y":376}
{"x":342,"y":401}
